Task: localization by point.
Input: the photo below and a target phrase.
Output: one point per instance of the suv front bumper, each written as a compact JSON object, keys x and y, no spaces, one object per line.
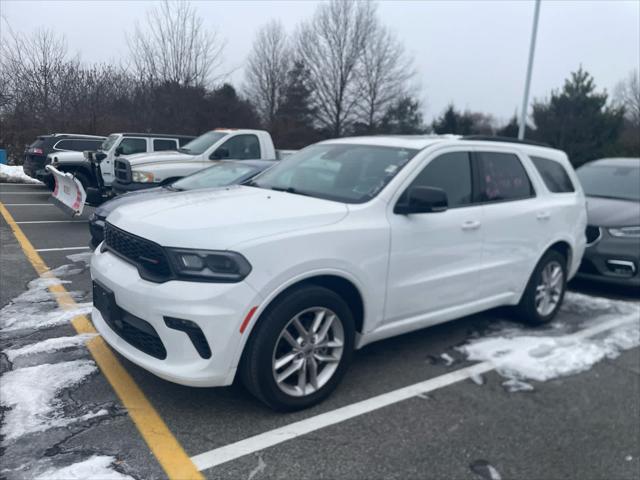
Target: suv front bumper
{"x":217,"y":309}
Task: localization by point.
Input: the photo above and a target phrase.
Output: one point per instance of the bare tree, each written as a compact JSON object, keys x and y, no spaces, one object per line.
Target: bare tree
{"x":267,"y":69}
{"x":627,"y":95}
{"x":175,"y":46}
{"x":331,"y":45}
{"x":384,"y":73}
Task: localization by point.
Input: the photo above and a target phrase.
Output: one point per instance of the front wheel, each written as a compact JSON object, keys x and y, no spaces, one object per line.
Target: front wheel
{"x":545,"y":291}
{"x":300,"y":350}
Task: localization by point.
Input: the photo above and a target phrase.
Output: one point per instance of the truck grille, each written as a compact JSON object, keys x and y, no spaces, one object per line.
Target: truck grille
{"x":148,"y":257}
{"x":593,"y":234}
{"x":122,"y":171}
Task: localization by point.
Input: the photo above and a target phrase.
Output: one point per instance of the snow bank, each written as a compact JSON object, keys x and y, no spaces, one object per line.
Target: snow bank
{"x":520,"y":354}
{"x":97,"y":467}
{"x":30,"y":394}
{"x":15,"y":174}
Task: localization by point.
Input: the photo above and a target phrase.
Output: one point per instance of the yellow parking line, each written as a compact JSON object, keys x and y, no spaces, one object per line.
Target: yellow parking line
{"x":169,"y":453}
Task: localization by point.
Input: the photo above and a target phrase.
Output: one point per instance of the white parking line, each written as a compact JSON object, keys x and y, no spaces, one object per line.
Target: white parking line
{"x":51,"y":221}
{"x":24,"y":193}
{"x":23,"y":184}
{"x":224,"y":454}
{"x":28,"y":204}
{"x":60,"y":249}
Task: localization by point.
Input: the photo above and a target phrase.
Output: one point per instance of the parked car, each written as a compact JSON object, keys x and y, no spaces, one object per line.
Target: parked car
{"x":221,"y":174}
{"x":145,"y":171}
{"x":35,"y":156}
{"x":612,"y":186}
{"x":344,"y":243}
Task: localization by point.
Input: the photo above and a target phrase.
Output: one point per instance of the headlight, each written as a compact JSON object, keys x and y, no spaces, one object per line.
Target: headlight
{"x":625,"y":232}
{"x":142,"y":177}
{"x":207,"y":265}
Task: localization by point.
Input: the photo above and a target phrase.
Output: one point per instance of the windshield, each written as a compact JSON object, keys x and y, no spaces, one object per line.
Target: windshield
{"x":339,"y":172}
{"x":215,"y":176}
{"x":611,"y":181}
{"x":202,"y":143}
{"x":108,"y":143}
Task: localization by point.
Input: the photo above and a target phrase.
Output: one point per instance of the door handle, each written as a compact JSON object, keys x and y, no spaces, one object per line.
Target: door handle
{"x":543,"y":216}
{"x":471,"y":225}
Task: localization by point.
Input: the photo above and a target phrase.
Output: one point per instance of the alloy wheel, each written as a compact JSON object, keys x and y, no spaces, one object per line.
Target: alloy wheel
{"x":549,"y":288}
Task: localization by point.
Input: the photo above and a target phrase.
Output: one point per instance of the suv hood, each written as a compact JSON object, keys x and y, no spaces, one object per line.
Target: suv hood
{"x":218,"y":219}
{"x":158,"y":157}
{"x":611,"y":212}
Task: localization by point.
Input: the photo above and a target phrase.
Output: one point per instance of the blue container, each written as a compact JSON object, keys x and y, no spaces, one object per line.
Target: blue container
{"x":3,"y":156}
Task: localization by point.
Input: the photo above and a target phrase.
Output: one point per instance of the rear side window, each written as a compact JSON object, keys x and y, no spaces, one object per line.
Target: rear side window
{"x":554,"y":175}
{"x":81,"y":145}
{"x":129,"y":146}
{"x":503,"y":177}
{"x":184,"y":140}
{"x":64,"y":145}
{"x":160,"y":144}
{"x":452,"y":173}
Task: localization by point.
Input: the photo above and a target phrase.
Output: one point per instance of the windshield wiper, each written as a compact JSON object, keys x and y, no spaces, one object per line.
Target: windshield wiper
{"x":173,"y":189}
{"x":290,"y":190}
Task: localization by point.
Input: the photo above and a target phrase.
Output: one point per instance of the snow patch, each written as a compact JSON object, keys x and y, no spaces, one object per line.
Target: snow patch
{"x":84,"y":257}
{"x":31,"y":395}
{"x":98,"y":467}
{"x":49,"y":345}
{"x":15,"y":174}
{"x":521,"y":355}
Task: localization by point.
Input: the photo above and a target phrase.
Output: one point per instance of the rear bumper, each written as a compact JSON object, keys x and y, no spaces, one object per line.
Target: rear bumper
{"x":120,"y":188}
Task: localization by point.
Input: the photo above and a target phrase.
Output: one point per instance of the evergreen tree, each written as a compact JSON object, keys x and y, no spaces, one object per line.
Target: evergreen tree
{"x":403,"y":117}
{"x":578,"y":120}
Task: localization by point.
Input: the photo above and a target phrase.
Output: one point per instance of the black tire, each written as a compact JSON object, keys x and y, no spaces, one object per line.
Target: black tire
{"x":256,"y":366}
{"x":84,"y":180}
{"x":526,"y":309}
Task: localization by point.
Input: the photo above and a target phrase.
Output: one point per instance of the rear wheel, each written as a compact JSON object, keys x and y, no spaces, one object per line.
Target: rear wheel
{"x":545,"y":291}
{"x":300,"y":350}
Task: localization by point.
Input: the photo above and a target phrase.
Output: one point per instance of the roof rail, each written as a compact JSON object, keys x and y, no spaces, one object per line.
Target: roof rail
{"x":495,"y":138}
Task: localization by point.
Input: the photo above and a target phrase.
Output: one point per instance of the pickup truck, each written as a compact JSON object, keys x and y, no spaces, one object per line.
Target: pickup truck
{"x":138,"y":172}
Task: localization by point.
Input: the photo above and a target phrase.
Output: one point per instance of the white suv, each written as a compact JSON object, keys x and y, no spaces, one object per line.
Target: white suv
{"x":344,"y":243}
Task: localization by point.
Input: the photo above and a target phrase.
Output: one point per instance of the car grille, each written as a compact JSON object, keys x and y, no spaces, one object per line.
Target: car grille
{"x":148,"y":257}
{"x":122,"y":171}
{"x":593,"y":234}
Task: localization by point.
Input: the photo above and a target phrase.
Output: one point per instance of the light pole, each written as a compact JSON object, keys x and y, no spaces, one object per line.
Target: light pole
{"x":527,"y":84}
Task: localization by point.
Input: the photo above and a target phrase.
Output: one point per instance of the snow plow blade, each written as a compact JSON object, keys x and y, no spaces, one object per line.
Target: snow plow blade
{"x":68,"y":194}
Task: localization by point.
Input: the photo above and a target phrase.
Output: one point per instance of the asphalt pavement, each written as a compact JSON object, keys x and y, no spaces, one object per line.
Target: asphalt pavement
{"x":582,"y":426}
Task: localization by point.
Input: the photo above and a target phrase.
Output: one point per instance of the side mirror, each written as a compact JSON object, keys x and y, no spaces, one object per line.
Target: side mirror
{"x":220,"y":153}
{"x":99,"y":156}
{"x":118,"y":151}
{"x":422,"y":200}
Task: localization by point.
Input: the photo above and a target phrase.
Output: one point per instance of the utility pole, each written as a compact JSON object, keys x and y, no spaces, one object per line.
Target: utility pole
{"x":527,"y":85}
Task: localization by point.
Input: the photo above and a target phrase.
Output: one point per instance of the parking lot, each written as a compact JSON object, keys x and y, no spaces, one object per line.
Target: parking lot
{"x":414,"y":406}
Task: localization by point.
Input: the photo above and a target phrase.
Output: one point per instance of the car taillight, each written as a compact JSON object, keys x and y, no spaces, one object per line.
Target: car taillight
{"x":37,"y":151}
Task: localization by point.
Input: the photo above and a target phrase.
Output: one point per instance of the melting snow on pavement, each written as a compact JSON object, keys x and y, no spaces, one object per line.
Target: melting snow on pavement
{"x":49,"y":345}
{"x":97,"y":467}
{"x":15,"y":174}
{"x":520,"y":355}
{"x":30,"y":394}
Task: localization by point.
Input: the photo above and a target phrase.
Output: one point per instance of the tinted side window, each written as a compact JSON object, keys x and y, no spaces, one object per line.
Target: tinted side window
{"x":64,"y":145}
{"x":243,"y":147}
{"x":81,"y":145}
{"x":160,"y":144}
{"x":184,"y":140}
{"x":554,"y":175}
{"x":503,"y":177}
{"x":452,"y":173}
{"x":130,"y":146}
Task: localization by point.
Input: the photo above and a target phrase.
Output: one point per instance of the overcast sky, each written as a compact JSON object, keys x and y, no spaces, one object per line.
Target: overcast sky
{"x":472,"y":53}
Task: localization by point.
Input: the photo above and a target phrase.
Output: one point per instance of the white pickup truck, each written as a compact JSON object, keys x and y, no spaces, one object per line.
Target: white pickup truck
{"x":125,"y":173}
{"x":137,"y":172}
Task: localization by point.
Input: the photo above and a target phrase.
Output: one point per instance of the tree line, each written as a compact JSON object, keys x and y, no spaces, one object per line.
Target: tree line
{"x":340,"y":72}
